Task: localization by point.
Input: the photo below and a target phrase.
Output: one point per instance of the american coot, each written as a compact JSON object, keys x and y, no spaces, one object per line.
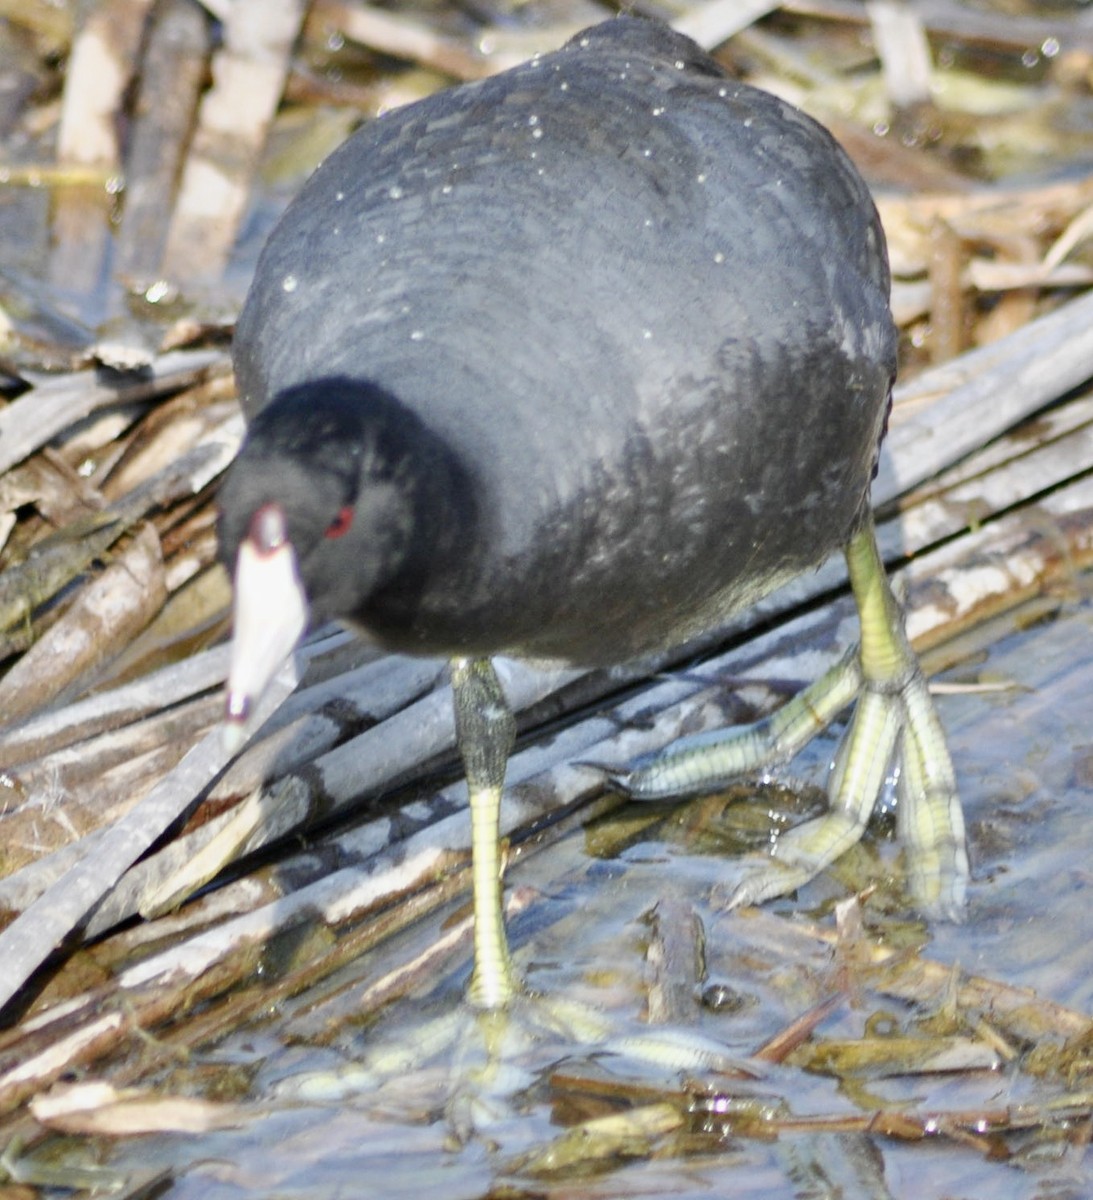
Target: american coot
{"x":568,"y":364}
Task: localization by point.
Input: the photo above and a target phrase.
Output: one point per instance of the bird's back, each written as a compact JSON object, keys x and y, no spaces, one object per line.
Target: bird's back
{"x":647,"y":307}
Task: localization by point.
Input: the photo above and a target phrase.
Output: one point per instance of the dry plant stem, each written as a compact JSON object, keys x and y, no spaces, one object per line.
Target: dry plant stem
{"x":979,"y":500}
{"x":50,"y":566}
{"x":904,"y":52}
{"x":35,"y":934}
{"x":51,"y":406}
{"x":97,"y":715}
{"x":984,"y":393}
{"x":103,"y":60}
{"x":173,"y":73}
{"x":777,"y":1048}
{"x":163,"y":987}
{"x":143,"y":699}
{"x":216,"y":1021}
{"x":436,"y":825}
{"x":947,"y":299}
{"x":954,"y":1124}
{"x":1015,"y":33}
{"x":249,"y":74}
{"x":711,"y":24}
{"x":53,"y":563}
{"x":123,"y":600}
{"x":1000,"y":216}
{"x":83,"y":789}
{"x":145,"y":712}
{"x":676,"y":959}
{"x":168,"y":450}
{"x":1020,"y":1013}
{"x":114,"y":608}
{"x":1057,"y":453}
{"x":400,"y":36}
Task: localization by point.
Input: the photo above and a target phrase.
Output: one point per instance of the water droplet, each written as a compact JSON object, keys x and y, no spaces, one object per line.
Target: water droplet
{"x":533,"y":120}
{"x":658,"y":110}
{"x":160,"y":290}
{"x":447,"y":189}
{"x":647,"y":153}
{"x":722,"y":92}
{"x":1050,"y":47}
{"x":646,"y":334}
{"x":719,"y":258}
{"x":747,"y":122}
{"x":380,"y":239}
{"x":536,"y":133}
{"x":416,"y":335}
{"x":680,"y":64}
{"x":339,"y":196}
{"x":701,"y":177}
{"x":563,"y":86}
{"x":289,"y":283}
{"x":583,"y":43}
{"x":395,"y":192}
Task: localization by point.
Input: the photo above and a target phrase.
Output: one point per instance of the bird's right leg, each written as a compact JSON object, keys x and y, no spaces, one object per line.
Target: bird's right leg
{"x":485,"y":730}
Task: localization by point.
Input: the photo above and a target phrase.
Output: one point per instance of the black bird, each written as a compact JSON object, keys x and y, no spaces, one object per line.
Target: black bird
{"x":571,"y":363}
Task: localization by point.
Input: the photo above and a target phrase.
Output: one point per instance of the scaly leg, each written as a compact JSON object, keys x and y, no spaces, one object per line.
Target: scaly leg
{"x":894,"y":708}
{"x":485,"y":731}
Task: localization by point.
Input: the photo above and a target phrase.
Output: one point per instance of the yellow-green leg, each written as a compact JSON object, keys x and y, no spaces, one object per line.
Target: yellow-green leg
{"x":704,"y":761}
{"x":485,"y":730}
{"x":894,"y":709}
{"x":930,"y":820}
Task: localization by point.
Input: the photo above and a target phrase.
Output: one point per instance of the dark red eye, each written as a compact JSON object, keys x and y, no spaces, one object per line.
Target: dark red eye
{"x":340,"y":524}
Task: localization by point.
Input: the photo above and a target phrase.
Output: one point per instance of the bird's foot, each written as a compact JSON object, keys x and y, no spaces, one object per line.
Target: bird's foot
{"x":930,"y":822}
{"x":894,"y":719}
{"x":474,"y":1062}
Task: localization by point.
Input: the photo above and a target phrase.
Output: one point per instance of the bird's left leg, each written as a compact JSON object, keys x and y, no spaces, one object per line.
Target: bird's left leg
{"x":894,"y":709}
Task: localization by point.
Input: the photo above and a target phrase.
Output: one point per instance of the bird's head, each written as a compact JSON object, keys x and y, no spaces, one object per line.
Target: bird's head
{"x":314,"y":517}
